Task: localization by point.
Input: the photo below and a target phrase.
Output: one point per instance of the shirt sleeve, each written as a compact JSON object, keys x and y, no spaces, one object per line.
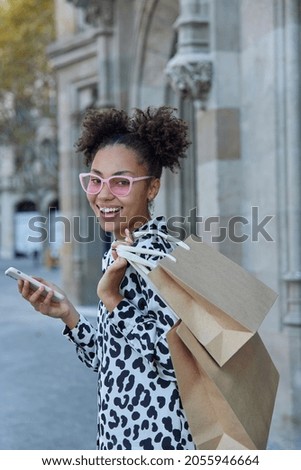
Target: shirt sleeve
{"x":84,"y":336}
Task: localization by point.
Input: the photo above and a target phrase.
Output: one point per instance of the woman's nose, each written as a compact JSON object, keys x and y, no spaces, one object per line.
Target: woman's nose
{"x":105,"y":192}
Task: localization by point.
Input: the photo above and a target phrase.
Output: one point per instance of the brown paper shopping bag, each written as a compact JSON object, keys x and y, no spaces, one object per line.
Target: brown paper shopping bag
{"x":217,"y":299}
{"x":227,"y":407}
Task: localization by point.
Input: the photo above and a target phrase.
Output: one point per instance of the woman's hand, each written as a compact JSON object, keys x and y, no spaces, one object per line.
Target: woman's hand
{"x":44,"y":304}
{"x":108,"y":286}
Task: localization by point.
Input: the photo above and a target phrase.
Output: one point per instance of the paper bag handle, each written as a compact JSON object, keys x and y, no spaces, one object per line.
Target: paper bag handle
{"x":164,"y":235}
{"x":141,"y":265}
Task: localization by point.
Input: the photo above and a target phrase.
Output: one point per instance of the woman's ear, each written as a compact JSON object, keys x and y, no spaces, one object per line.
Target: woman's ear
{"x":153,"y":189}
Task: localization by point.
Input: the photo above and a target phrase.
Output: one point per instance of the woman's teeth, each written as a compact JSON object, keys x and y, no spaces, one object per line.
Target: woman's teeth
{"x":108,"y":210}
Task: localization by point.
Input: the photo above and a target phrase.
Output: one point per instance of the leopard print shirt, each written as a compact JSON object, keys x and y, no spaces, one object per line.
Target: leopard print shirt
{"x":138,"y":401}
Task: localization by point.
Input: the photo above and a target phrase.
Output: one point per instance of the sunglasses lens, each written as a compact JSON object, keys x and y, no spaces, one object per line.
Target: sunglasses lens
{"x":91,"y":184}
{"x":120,"y":185}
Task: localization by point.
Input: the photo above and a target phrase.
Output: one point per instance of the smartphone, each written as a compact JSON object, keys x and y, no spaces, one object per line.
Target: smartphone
{"x":34,"y":284}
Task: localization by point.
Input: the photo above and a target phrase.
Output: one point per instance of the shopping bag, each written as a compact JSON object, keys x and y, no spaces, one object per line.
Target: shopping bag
{"x":228,"y":407}
{"x":217,"y":299}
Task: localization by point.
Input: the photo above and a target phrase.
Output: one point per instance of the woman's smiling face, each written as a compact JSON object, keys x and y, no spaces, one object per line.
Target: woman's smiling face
{"x":116,"y":213}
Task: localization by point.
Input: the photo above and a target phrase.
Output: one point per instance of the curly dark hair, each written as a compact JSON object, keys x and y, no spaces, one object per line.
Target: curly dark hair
{"x":156,"y":135}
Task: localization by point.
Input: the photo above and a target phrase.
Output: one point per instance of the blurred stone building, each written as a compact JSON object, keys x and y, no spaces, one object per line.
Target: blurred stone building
{"x":232,"y":69}
{"x":28,"y":191}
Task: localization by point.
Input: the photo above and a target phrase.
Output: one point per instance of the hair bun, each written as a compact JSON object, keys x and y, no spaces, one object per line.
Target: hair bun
{"x":164,"y":132}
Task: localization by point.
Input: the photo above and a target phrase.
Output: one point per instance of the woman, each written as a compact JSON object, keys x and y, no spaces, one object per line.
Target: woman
{"x":138,"y":401}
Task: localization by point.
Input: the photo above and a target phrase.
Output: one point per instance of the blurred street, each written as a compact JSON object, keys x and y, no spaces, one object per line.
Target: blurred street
{"x":47,"y":396}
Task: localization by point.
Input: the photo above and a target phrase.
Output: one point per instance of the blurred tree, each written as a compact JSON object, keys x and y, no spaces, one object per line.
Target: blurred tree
{"x":26,"y":80}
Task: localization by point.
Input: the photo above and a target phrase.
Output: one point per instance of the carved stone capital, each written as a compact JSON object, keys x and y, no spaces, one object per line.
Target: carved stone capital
{"x":191,"y":76}
{"x":97,"y":12}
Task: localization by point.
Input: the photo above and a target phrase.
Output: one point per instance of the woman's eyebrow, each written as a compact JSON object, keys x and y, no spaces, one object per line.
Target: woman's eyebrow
{"x":117,"y":173}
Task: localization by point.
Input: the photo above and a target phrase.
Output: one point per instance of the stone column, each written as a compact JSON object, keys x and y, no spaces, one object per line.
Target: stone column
{"x":190,"y":75}
{"x":291,"y":187}
{"x":287,"y":89}
{"x":190,"y":70}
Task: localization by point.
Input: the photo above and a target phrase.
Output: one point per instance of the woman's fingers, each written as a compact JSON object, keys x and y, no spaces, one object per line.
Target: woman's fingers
{"x":42,"y":301}
{"x":128,"y":240}
{"x":25,"y":289}
{"x":39,"y":299}
{"x":35,"y":297}
{"x":20,"y":286}
{"x":128,"y":237}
